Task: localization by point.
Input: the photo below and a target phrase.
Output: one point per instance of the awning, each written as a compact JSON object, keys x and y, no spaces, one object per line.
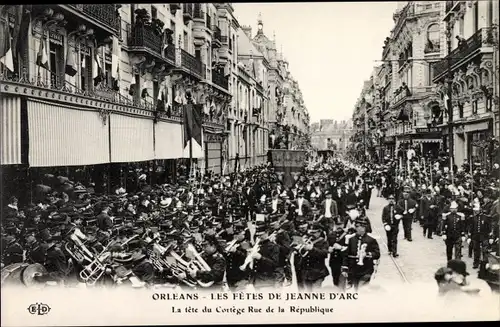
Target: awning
{"x":65,"y":136}
{"x":131,"y":139}
{"x":417,"y":141}
{"x":10,"y":130}
{"x":476,"y":127}
{"x":168,"y":140}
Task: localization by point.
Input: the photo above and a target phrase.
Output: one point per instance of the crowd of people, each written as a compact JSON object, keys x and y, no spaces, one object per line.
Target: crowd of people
{"x":247,"y":229}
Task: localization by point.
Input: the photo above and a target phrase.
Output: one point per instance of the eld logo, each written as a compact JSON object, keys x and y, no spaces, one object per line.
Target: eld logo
{"x":39,"y":309}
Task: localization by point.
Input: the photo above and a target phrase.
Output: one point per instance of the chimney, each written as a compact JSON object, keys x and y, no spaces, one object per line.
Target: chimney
{"x":247,"y":30}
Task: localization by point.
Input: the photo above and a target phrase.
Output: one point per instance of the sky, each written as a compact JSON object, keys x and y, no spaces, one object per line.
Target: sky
{"x":331,"y":47}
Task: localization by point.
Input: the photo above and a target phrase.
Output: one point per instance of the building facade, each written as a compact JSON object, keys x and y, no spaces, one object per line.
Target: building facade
{"x":467,"y":79}
{"x":409,"y":90}
{"x":96,"y":87}
{"x":331,"y":135}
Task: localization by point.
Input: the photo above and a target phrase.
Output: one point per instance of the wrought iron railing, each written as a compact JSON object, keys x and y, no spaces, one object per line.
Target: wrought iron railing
{"x":482,"y":37}
{"x":219,"y":79}
{"x":141,"y":36}
{"x":170,"y":53}
{"x":192,"y":64}
{"x":217,"y":33}
{"x":103,"y":13}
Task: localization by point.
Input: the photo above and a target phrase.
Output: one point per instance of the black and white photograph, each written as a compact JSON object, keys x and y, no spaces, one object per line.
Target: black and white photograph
{"x":260,"y":162}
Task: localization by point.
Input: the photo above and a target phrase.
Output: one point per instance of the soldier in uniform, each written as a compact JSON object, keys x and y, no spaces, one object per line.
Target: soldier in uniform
{"x":337,"y":242}
{"x":283,"y":240}
{"x":407,"y":207}
{"x":12,"y":251}
{"x":478,"y":234}
{"x":266,"y":260}
{"x":454,"y":231}
{"x":314,"y":253}
{"x":391,"y":226}
{"x":362,"y":253}
{"x":215,"y":261}
{"x":428,"y":213}
{"x":237,"y":280}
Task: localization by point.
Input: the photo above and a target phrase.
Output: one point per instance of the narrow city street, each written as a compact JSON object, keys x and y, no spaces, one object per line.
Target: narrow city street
{"x":418,"y":260}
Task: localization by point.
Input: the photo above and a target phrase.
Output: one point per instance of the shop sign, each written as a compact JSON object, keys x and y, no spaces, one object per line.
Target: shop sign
{"x":428,"y":130}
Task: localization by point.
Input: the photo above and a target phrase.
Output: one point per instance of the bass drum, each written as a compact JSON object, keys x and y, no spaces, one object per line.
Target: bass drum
{"x":22,"y":274}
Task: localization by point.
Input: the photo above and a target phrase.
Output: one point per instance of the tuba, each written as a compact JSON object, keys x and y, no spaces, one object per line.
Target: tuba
{"x":76,"y":247}
{"x":199,"y":264}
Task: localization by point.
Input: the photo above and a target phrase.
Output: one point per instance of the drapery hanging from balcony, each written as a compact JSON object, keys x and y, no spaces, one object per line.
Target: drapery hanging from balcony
{"x":131,"y":139}
{"x":168,"y":140}
{"x":65,"y":136}
{"x":10,"y":130}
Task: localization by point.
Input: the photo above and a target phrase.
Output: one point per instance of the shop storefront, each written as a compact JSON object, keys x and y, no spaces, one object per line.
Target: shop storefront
{"x":428,"y":140}
{"x":478,"y":136}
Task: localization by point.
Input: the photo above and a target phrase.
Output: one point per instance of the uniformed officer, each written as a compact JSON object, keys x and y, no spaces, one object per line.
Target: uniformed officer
{"x":390,"y":219}
{"x":362,"y":254}
{"x":407,"y":207}
{"x":266,"y":260}
{"x":314,"y":253}
{"x":478,"y":234}
{"x":237,"y":280}
{"x":283,"y":240}
{"x":337,"y":242}
{"x":454,"y":231}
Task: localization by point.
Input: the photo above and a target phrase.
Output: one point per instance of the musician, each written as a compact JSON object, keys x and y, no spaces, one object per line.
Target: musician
{"x":56,"y":262}
{"x":236,"y":279}
{"x":428,"y":214}
{"x":478,"y":234}
{"x":215,"y":261}
{"x":314,"y":253}
{"x":104,"y":221}
{"x":12,"y":251}
{"x":266,"y":259}
{"x":362,"y":253}
{"x":328,"y":208}
{"x":454,"y":231}
{"x":337,"y":248}
{"x":391,"y":226}
{"x":366,"y":193}
{"x":227,"y":233}
{"x":281,"y":238}
{"x":407,"y":207}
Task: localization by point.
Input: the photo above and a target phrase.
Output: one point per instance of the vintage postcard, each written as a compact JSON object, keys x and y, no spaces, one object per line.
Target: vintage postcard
{"x":214,"y":163}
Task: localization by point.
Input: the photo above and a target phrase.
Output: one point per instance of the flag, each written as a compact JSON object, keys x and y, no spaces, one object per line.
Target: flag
{"x":22,"y":37}
{"x":160,"y":103}
{"x":70,"y":62}
{"x":192,"y":123}
{"x":131,"y":89}
{"x":115,"y":63}
{"x":96,"y":68}
{"x":6,"y":55}
{"x":42,"y":58}
{"x":446,"y":98}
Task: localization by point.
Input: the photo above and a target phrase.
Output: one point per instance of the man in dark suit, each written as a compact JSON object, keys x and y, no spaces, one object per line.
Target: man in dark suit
{"x":276,"y":204}
{"x":104,"y":221}
{"x":391,"y":226}
{"x":407,"y":207}
{"x":363,"y":253}
{"x":428,"y":213}
{"x":328,"y":208}
{"x":302,"y":206}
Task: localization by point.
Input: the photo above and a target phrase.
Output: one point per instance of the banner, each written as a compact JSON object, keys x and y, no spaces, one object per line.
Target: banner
{"x":288,"y":162}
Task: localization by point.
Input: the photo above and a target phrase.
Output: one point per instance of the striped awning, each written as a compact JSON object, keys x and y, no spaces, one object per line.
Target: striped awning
{"x":65,"y":136}
{"x":168,"y":140}
{"x":10,"y":130}
{"x":131,"y":139}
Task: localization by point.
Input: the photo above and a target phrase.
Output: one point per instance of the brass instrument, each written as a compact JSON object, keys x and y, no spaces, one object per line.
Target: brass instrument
{"x":300,"y":247}
{"x":312,"y":243}
{"x":273,"y":236}
{"x":93,"y":271}
{"x":77,"y":249}
{"x":249,"y":258}
{"x":199,"y":264}
{"x":232,"y":245}
{"x":361,"y":254}
{"x":181,"y":267}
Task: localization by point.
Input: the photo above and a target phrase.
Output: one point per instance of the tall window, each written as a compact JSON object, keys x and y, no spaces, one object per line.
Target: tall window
{"x":489,"y":13}
{"x":186,"y":41}
{"x":430,"y":74}
{"x":56,"y":59}
{"x":432,"y":42}
{"x":461,"y":26}
{"x":154,"y":12}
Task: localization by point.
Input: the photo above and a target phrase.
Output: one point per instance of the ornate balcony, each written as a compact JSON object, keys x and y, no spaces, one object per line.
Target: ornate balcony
{"x":462,"y":54}
{"x":219,"y":79}
{"x":191,"y":65}
{"x":102,"y":15}
{"x":144,"y":39}
{"x":217,"y":37}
